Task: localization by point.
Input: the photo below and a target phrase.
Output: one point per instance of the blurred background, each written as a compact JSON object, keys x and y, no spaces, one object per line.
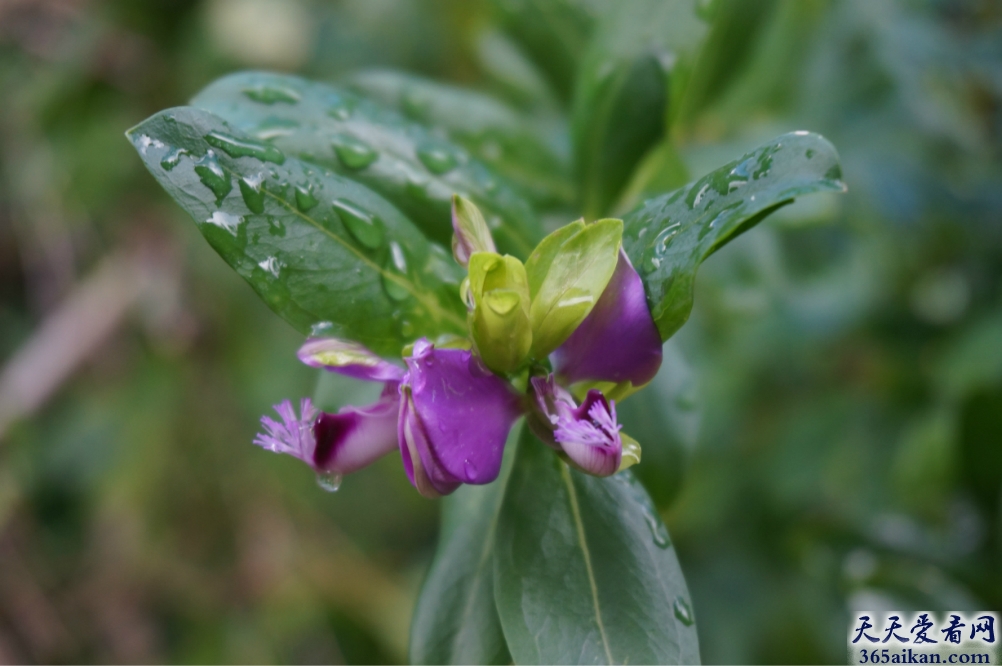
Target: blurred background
{"x":833,"y":434}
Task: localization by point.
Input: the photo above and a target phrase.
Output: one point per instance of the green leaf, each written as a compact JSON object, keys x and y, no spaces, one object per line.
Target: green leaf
{"x":538,"y":263}
{"x":523,"y":149}
{"x":325,"y":253}
{"x":408,"y":164}
{"x":664,"y":418}
{"x":554,"y":34}
{"x":621,"y":96}
{"x":574,"y":554}
{"x":575,"y":279}
{"x":455,"y":619}
{"x":667,"y":238}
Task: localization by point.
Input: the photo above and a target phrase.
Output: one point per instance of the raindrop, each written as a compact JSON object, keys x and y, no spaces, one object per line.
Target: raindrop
{"x":366,"y":228}
{"x":253,"y":194}
{"x":235,"y":147}
{"x":658,"y":530}
{"x":470,"y":469}
{"x":416,"y":104}
{"x":172,"y":159}
{"x":271,"y":265}
{"x":320,"y":328}
{"x":683,"y":612}
{"x":438,"y":158}
{"x":663,"y":239}
{"x":266,"y":94}
{"x":329,"y":481}
{"x":305,"y":199}
{"x":342,"y":109}
{"x":392,"y":276}
{"x":213,"y":176}
{"x":273,"y":127}
{"x":352,"y":152}
{"x":145,"y":142}
{"x":226,"y":221}
{"x":275,"y":227}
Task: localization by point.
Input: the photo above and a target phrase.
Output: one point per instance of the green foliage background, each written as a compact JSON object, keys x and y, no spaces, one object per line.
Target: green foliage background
{"x":834,"y":404}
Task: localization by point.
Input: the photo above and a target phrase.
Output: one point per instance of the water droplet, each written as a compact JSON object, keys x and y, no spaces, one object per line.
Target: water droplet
{"x":271,"y":265}
{"x":396,"y":266}
{"x":275,"y":227}
{"x":353,"y":153}
{"x":658,"y":530}
{"x":695,"y":196}
{"x":366,"y":228}
{"x":809,"y":153}
{"x":236,"y":147}
{"x":253,"y":194}
{"x":213,"y":176}
{"x":145,"y":142}
{"x":663,"y":239}
{"x":470,"y":469}
{"x":687,"y":397}
{"x":416,"y":104}
{"x":342,"y":109}
{"x":267,"y":94}
{"x":437,"y":157}
{"x":683,"y":612}
{"x":304,"y":198}
{"x":172,"y":159}
{"x":329,"y":481}
{"x":226,"y":221}
{"x":320,"y":328}
{"x":273,"y":127}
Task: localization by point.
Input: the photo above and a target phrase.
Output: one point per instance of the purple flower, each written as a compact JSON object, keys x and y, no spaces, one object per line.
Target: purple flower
{"x":454,"y":419}
{"x":618,"y":340}
{"x":587,"y":434}
{"x":447,"y":413}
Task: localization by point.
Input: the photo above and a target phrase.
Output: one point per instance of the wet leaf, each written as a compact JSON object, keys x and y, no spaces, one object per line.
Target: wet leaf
{"x":668,"y":237}
{"x":286,"y":229}
{"x":406,"y":163}
{"x":525,"y":150}
{"x":574,"y":552}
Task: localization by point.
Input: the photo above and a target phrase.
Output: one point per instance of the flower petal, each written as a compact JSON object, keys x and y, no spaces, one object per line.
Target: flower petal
{"x":590,"y":438}
{"x":294,"y":435}
{"x":465,"y":411}
{"x":348,"y":358}
{"x":356,"y":436}
{"x":618,"y":341}
{"x":422,"y":466}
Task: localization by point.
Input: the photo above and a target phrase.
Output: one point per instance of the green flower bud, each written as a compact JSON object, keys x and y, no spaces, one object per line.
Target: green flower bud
{"x":469,"y":231}
{"x":567,"y":272}
{"x":499,"y":319}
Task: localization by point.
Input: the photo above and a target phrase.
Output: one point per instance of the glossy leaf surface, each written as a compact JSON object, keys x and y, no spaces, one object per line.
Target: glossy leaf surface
{"x":456,"y":620}
{"x":668,"y":237}
{"x":585,"y":571}
{"x":403,"y":161}
{"x":525,"y":150}
{"x":325,"y":253}
{"x":621,"y":96}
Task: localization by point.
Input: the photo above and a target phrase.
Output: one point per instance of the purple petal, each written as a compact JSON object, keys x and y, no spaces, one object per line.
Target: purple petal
{"x":348,"y":358}
{"x":356,"y":436}
{"x":294,"y":435}
{"x":423,"y":467}
{"x":618,"y":341}
{"x":464,"y":412}
{"x":590,"y":437}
